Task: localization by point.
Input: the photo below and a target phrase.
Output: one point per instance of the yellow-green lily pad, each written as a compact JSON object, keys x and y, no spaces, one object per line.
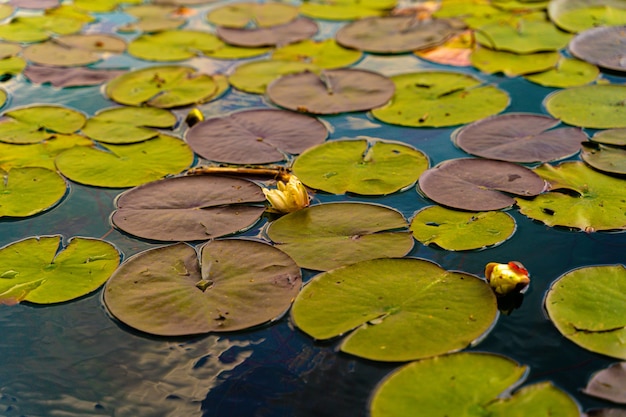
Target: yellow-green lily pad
{"x":102,"y":6}
{"x":74,"y":50}
{"x":346,"y":9}
{"x":254,"y":77}
{"x":36,"y":123}
{"x":568,"y":72}
{"x":30,"y":190}
{"x":608,"y":159}
{"x":512,"y":64}
{"x":128,"y":124}
{"x":523,"y":36}
{"x":580,"y":15}
{"x":252,"y":15}
{"x":615,"y":137}
{"x":38,"y":28}
{"x":41,"y":154}
{"x":327,"y":54}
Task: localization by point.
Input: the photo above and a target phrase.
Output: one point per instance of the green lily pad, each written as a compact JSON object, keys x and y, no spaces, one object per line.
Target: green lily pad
{"x":479,"y":184}
{"x":162,"y":86}
{"x":327,"y":54}
{"x":609,"y":383}
{"x":346,"y":9}
{"x":70,"y":11}
{"x":296,"y":30}
{"x":464,"y":384}
{"x":519,"y":137}
{"x":512,"y":64}
{"x":474,"y":13}
{"x":38,"y":28}
{"x":603,"y":46}
{"x":568,"y":72}
{"x":523,"y":36}
{"x":331,"y":235}
{"x":461,"y":230}
{"x":593,"y":106}
{"x":189,"y":208}
{"x":387,"y":306}
{"x":36,"y":123}
{"x":70,"y":77}
{"x":254,"y":77}
{"x":127,"y":165}
{"x":579,"y":197}
{"x":102,"y":6}
{"x":360,"y":166}
{"x":572,"y":304}
{"x":436,"y":99}
{"x":74,"y":50}
{"x":40,"y":154}
{"x":331,"y":91}
{"x":9,"y":49}
{"x":127,"y":124}
{"x":153,"y":18}
{"x":255,"y":136}
{"x":255,"y":15}
{"x":6,"y":10}
{"x":238,"y":284}
{"x":580,"y":15}
{"x":31,"y":190}
{"x":12,"y":66}
{"x":615,"y":137}
{"x":520,"y":6}
{"x":40,"y":270}
{"x":608,"y":159}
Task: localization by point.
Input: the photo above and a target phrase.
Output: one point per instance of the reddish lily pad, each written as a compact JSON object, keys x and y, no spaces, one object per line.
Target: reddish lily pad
{"x":297,"y":30}
{"x":70,"y":77}
{"x":255,"y":136}
{"x":479,"y":184}
{"x":332,"y":91}
{"x":34,"y":4}
{"x":189,"y":208}
{"x":520,"y":137}
{"x":602,"y":46}
{"x":609,"y":383}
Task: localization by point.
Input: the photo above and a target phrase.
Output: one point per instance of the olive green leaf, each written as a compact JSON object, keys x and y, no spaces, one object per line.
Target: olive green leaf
{"x":615,"y":137}
{"x":28,"y":191}
{"x":580,"y":15}
{"x":40,"y":154}
{"x":127,"y":124}
{"x":568,"y":72}
{"x":346,"y":9}
{"x":327,"y":54}
{"x":608,"y":159}
{"x":38,"y":28}
{"x":252,"y":15}
{"x":36,"y":123}
{"x":254,"y":77}
{"x":511,"y":64}
{"x":102,"y":5}
{"x":523,"y":36}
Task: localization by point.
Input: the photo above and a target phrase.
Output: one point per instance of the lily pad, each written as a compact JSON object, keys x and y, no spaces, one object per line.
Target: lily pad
{"x":455,"y":51}
{"x":73,"y":50}
{"x":252,"y":15}
{"x":11,"y":66}
{"x":28,"y":191}
{"x":189,"y":208}
{"x":238,"y":284}
{"x":580,"y":15}
{"x":153,"y":18}
{"x":608,"y":159}
{"x":102,"y":6}
{"x":512,"y":64}
{"x":40,"y":154}
{"x":615,"y":137}
{"x":254,"y":77}
{"x":40,"y":270}
{"x":523,"y":36}
{"x":609,"y":383}
{"x":594,"y":106}
{"x":588,"y":306}
{"x":606,"y":412}
{"x":579,"y":197}
{"x":127,"y":124}
{"x":346,"y":9}
{"x":467,"y":383}
{"x":460,"y":230}
{"x":34,"y":4}
{"x":360,"y":166}
{"x":475,"y":13}
{"x":568,"y":72}
{"x":70,"y":77}
{"x":162,"y":86}
{"x":327,"y":54}
{"x":479,"y":184}
{"x":294,"y":31}
{"x":331,"y":91}
{"x":331,"y":235}
{"x":255,"y":136}
{"x":436,"y":99}
{"x":603,"y":46}
{"x":6,"y":10}
{"x":394,"y":34}
{"x":38,"y":28}
{"x":520,"y":137}
{"x":381,"y":302}
{"x":36,"y":123}
{"x":127,"y":165}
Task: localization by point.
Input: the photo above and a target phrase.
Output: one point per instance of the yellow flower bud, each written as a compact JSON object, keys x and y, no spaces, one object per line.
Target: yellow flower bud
{"x":506,"y":278}
{"x":287,"y":197}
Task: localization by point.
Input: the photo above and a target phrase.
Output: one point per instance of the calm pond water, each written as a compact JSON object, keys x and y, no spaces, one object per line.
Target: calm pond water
{"x":74,"y":360}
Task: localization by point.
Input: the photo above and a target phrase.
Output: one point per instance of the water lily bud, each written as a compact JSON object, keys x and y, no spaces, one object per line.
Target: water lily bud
{"x":507,"y":278}
{"x":193,"y":117}
{"x":287,"y":197}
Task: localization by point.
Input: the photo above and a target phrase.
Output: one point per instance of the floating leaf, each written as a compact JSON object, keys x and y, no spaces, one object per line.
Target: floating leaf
{"x":38,"y":28}
{"x":36,"y":123}
{"x":615,"y":137}
{"x":331,"y":91}
{"x":70,"y":11}
{"x":609,"y":383}
{"x":246,"y":14}
{"x":34,"y":4}
{"x":588,"y":306}
{"x":127,"y":124}
{"x":474,"y":13}
{"x":153,"y":18}
{"x":467,"y":383}
{"x":40,"y":154}
{"x":327,"y":54}
{"x":593,"y":106}
{"x":479,"y":184}
{"x":435,"y":99}
{"x":255,"y":136}
{"x":524,"y":36}
{"x":294,"y":31}
{"x":38,"y":270}
{"x":126,"y":165}
{"x":327,"y":236}
{"x":608,"y":159}
{"x":602,"y":46}
{"x":460,"y":230}
{"x":384,"y":301}
{"x":579,"y":15}
{"x":346,"y":9}
{"x":512,"y":64}
{"x":189,"y":208}
{"x":6,"y":10}
{"x":238,"y":284}
{"x":254,"y":77}
{"x":360,"y":166}
{"x":568,"y":72}
{"x":70,"y":77}
{"x":102,"y":5}
{"x":519,"y":137}
{"x":579,"y":197}
{"x":455,"y":51}
{"x":28,"y":191}
{"x":606,"y":412}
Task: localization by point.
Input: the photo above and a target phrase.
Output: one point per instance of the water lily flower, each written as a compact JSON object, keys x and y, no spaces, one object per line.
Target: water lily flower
{"x":287,"y":197}
{"x":507,"y":278}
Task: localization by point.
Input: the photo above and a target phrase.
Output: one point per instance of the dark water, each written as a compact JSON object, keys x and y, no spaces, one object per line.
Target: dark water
{"x":74,"y":360}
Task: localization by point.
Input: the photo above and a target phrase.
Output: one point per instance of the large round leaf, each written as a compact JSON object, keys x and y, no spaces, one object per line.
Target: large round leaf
{"x":238,"y":284}
{"x":520,"y":137}
{"x":396,"y":309}
{"x":125,"y":165}
{"x":127,"y":124}
{"x":608,"y":159}
{"x":580,"y":15}
{"x":37,"y":123}
{"x":331,"y":91}
{"x":467,"y":384}
{"x":254,"y":77}
{"x":38,"y":28}
{"x":568,"y":72}
{"x":602,"y":46}
{"x":461,"y":230}
{"x":255,"y":136}
{"x":579,"y":197}
{"x":360,"y":166}
{"x":523,"y":36}
{"x":593,"y":106}
{"x":295,"y":31}
{"x":479,"y":184}
{"x":189,"y":208}
{"x":588,"y":306}
{"x":327,"y":54}
{"x":28,"y":191}
{"x":436,"y":99}
{"x":70,"y":77}
{"x":327,"y":236}
{"x":247,"y":14}
{"x":511,"y":64}
{"x":41,"y":271}
{"x":38,"y":154}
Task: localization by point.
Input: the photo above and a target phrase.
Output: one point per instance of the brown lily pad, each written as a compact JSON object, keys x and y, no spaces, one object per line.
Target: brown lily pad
{"x":297,"y":30}
{"x":609,"y":383}
{"x":602,"y":46}
{"x":69,"y":77}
